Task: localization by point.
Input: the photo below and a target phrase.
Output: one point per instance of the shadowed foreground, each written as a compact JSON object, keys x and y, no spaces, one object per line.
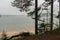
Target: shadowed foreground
{"x":53,"y":35}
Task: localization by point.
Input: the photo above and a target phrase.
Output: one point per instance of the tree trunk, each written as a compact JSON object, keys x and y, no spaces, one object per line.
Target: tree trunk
{"x":51,"y":15}
{"x":59,"y":13}
{"x":36,"y":17}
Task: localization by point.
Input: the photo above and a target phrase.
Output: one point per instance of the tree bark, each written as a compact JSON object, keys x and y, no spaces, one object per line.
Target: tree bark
{"x":36,"y":17}
{"x":51,"y":15}
{"x":59,"y":13}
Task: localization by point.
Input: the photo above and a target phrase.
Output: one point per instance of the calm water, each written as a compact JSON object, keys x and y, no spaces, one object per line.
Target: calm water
{"x":16,"y":22}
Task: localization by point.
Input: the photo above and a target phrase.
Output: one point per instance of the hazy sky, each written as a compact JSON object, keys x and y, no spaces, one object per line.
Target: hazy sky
{"x":7,"y":9}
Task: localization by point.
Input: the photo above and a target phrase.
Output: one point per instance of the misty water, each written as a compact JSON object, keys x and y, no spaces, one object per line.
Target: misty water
{"x":16,"y":22}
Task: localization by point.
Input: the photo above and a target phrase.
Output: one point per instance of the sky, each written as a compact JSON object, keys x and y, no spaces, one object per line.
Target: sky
{"x":7,"y":9}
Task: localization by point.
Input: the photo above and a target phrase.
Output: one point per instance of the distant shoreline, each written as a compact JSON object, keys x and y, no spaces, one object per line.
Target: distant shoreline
{"x":11,"y":33}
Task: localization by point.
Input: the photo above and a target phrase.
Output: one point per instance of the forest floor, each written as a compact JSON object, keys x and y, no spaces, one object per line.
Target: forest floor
{"x":49,"y":35}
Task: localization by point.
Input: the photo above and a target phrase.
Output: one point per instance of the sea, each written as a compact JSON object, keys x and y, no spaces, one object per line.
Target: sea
{"x":16,"y":23}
